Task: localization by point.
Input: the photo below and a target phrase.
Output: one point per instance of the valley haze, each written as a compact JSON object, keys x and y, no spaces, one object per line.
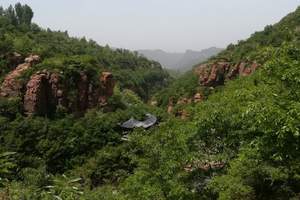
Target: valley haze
{"x":170,"y":25}
{"x":180,"y":61}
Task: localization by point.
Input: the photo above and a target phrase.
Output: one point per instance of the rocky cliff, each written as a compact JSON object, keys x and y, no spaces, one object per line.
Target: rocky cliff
{"x":214,"y":74}
{"x":211,"y":75}
{"x":46,"y":90}
{"x":12,"y":86}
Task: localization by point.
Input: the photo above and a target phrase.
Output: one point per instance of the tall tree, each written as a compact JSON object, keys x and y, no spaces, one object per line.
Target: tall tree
{"x":11,"y":15}
{"x":27,"y":14}
{"x":24,"y":14}
{"x":1,"y":11}
{"x":19,"y":12}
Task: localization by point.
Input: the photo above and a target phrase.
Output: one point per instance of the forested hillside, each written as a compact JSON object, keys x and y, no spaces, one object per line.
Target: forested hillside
{"x":232,"y":131}
{"x":56,"y":48}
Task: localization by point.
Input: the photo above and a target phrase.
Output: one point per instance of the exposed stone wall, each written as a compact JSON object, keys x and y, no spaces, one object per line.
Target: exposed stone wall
{"x":212,"y":75}
{"x":45,"y":90}
{"x":37,"y":96}
{"x":215,"y":74}
{"x":107,"y":87}
{"x":12,"y":86}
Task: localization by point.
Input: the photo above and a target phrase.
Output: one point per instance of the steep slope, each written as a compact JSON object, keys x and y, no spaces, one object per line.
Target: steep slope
{"x":245,"y":138}
{"x":180,"y":61}
{"x":241,"y":59}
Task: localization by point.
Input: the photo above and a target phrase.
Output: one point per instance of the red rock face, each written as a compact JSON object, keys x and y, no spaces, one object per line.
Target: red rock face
{"x":212,"y":75}
{"x":36,"y":99}
{"x":11,"y":86}
{"x":43,"y":94}
{"x":215,"y":74}
{"x":83,"y":93}
{"x":234,"y":72}
{"x":45,"y":90}
{"x":107,"y":87}
{"x":57,"y":89}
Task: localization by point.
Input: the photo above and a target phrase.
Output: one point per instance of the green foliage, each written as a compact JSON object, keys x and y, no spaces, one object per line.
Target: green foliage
{"x":18,"y":15}
{"x":24,"y":14}
{"x":9,"y":107}
{"x":256,"y":126}
{"x":63,"y":188}
{"x":160,"y":174}
{"x":185,"y":86}
{"x":6,"y":165}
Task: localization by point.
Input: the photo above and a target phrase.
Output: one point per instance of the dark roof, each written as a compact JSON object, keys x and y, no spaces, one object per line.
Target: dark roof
{"x":149,"y":121}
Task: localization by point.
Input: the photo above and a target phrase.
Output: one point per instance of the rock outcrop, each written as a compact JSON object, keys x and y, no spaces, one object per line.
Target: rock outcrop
{"x":12,"y":86}
{"x":211,"y":75}
{"x":37,"y":96}
{"x":83,"y":93}
{"x":45,"y":91}
{"x":214,"y":74}
{"x":57,"y":89}
{"x":107,"y":87}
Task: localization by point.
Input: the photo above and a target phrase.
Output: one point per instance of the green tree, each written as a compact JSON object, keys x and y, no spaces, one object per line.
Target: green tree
{"x":1,"y":11}
{"x":11,"y":15}
{"x":24,"y":14}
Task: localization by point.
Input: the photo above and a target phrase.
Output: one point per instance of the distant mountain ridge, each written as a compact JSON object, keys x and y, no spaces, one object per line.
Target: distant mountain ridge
{"x":180,"y":61}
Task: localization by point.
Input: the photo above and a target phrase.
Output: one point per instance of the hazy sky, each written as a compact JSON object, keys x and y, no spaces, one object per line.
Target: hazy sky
{"x":172,"y":25}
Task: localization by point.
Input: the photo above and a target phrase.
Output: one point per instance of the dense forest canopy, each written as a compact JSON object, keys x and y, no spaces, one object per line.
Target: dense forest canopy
{"x":240,"y":142}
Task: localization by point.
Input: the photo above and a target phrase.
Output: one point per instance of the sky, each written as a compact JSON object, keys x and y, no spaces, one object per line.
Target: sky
{"x":170,"y":25}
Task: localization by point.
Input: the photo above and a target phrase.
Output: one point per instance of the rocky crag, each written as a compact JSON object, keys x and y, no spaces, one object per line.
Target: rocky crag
{"x":45,"y":91}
